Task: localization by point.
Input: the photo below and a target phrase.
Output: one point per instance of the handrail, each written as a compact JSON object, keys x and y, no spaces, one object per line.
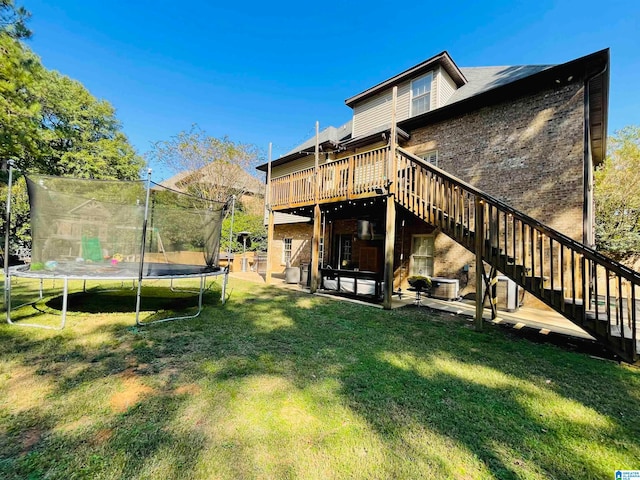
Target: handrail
{"x":351,"y":177}
{"x":582,"y":249}
{"x":590,"y":289}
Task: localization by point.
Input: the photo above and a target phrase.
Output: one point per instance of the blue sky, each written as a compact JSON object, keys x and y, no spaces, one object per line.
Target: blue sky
{"x":264,"y":72}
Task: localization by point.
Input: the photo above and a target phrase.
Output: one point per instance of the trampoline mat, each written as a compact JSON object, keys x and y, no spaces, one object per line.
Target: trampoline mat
{"x":119,"y":271}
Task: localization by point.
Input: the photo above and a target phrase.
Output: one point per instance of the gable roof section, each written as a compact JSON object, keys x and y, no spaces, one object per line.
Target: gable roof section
{"x":237,"y":179}
{"x":443,"y":59}
{"x":481,"y":79}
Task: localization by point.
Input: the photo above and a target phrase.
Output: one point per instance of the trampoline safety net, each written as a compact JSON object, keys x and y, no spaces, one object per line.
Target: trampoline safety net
{"x":84,"y":227}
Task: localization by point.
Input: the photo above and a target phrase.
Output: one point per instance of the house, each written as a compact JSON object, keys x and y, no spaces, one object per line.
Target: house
{"x":461,"y":174}
{"x":219,"y":180}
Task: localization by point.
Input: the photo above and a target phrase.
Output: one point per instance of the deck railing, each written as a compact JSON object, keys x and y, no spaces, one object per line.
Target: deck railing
{"x":356,"y":176}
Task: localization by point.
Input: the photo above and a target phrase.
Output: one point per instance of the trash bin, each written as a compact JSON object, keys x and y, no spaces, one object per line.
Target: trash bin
{"x":292,"y":275}
{"x":304,"y":274}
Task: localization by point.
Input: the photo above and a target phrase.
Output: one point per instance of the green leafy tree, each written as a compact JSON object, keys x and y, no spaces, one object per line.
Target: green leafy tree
{"x":80,"y":135}
{"x":617,"y":196}
{"x":244,"y":221}
{"x":13,"y":20}
{"x":20,"y":73}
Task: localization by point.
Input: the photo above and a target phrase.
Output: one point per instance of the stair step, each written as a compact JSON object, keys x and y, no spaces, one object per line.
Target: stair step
{"x":555,"y":297}
{"x":535,"y":283}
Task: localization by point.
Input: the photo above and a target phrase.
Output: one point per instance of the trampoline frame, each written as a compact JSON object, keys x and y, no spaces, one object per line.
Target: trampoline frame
{"x":16,"y":271}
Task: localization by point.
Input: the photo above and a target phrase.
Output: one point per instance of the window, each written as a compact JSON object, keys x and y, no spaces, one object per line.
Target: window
{"x":421,"y":262}
{"x":286,"y":250}
{"x":421,"y":94}
{"x":430,"y":156}
{"x":344,"y":251}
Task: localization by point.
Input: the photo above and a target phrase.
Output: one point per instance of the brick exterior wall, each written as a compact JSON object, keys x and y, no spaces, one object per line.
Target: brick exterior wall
{"x":527,"y":153}
{"x":301,"y":234}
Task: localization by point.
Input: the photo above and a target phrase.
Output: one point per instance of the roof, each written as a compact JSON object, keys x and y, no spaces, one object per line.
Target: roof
{"x":330,"y":135}
{"x":481,"y":79}
{"x":241,"y":179}
{"x":328,"y":139}
{"x":443,"y":59}
{"x":482,"y":86}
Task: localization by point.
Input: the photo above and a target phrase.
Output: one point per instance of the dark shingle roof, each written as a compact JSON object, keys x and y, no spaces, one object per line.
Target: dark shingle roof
{"x":482,"y":79}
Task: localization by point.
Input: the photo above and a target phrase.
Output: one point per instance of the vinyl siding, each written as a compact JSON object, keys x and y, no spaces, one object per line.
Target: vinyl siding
{"x":371,"y":113}
{"x":307,"y":162}
{"x":446,"y":87}
{"x":375,"y":112}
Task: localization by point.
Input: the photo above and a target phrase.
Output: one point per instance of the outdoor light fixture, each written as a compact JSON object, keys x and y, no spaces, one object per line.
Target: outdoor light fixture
{"x":379,"y":191}
{"x":246,"y":242}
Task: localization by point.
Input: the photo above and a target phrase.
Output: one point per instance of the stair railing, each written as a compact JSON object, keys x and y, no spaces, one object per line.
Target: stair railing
{"x":592,"y":290}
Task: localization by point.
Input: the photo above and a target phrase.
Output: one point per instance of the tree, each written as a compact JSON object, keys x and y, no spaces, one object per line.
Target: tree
{"x":617,"y":196}
{"x":13,"y":20}
{"x":216,"y":169}
{"x":52,"y":124}
{"x":209,"y":167}
{"x":80,"y":135}
{"x":20,"y":72}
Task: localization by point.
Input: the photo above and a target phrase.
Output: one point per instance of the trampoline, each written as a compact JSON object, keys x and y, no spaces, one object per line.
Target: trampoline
{"x":101,"y":230}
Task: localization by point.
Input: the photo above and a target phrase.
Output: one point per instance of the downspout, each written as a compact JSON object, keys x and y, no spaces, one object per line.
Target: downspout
{"x":588,"y":213}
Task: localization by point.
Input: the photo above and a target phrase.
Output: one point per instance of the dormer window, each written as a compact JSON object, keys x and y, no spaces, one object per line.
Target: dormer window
{"x":421,"y":94}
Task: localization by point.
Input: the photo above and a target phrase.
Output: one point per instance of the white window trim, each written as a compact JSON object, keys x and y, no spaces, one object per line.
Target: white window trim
{"x":429,"y":153}
{"x":411,"y":254}
{"x":432,"y":75}
{"x":284,"y":250}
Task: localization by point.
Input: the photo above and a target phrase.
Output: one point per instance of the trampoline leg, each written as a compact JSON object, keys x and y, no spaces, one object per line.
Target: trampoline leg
{"x":65,"y":294}
{"x":161,"y":320}
{"x":202,"y":283}
{"x":223,"y":295}
{"x":41,"y":288}
{"x":138,"y":295}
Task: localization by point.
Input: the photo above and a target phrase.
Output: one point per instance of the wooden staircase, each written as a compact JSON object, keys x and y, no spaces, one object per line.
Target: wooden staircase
{"x":591,"y":290}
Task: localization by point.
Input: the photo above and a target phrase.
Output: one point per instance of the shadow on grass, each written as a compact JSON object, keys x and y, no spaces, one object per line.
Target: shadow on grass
{"x":124,"y":301}
{"x":400,"y":371}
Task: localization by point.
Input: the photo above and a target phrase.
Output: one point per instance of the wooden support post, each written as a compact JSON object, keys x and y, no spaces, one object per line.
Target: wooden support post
{"x":315,"y":250}
{"x":316,"y":191}
{"x":389,"y":243}
{"x":317,"y":221}
{"x":390,"y":237}
{"x":270,"y":228}
{"x":479,"y":243}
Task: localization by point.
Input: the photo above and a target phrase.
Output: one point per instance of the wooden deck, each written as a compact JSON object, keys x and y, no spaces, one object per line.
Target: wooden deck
{"x":556,"y":269}
{"x":358,"y":176}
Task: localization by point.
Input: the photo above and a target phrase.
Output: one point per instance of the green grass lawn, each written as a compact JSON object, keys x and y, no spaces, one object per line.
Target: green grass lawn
{"x":278,"y":384}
